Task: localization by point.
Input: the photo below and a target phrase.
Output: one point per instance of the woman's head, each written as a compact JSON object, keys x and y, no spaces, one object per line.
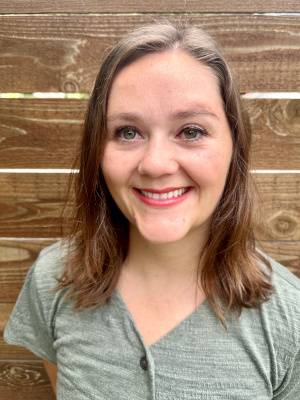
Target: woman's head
{"x":229,"y":270}
{"x":167,"y":132}
{"x":155,"y":40}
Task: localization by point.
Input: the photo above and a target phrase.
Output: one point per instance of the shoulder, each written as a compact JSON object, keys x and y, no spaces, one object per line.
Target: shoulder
{"x":280,"y":314}
{"x":43,"y":276}
{"x":286,"y":284}
{"x":49,"y":264}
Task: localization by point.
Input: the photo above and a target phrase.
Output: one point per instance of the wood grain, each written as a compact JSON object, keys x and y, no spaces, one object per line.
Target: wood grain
{"x":40,"y":133}
{"x":278,"y":207}
{"x":117,"y":6}
{"x":43,"y":53}
{"x":275,"y":127}
{"x":9,"y":352}
{"x":24,"y":380}
{"x":31,"y":204}
{"x":285,"y":252}
{"x":16,"y":256}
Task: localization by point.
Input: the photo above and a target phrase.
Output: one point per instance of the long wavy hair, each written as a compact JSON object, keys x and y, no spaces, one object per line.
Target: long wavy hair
{"x":234,"y":273}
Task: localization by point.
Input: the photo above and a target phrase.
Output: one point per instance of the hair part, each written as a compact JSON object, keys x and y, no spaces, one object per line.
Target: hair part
{"x":233,"y":273}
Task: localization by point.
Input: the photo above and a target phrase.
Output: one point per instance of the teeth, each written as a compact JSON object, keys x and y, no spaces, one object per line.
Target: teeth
{"x":165,"y":196}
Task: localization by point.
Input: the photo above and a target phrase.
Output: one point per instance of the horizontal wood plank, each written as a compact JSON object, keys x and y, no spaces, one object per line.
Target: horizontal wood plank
{"x":285,"y":252}
{"x":43,"y":53}
{"x":275,"y":127}
{"x":16,"y":257}
{"x":277,"y":207}
{"x":10,"y":352}
{"x":40,"y":133}
{"x":117,"y":6}
{"x":31,"y":205}
{"x":24,"y":380}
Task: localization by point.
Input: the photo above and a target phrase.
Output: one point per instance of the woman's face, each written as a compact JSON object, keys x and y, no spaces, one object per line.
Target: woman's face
{"x":168,"y":146}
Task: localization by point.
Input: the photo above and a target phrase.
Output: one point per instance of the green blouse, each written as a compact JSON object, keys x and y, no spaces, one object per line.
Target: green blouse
{"x":101,"y":355}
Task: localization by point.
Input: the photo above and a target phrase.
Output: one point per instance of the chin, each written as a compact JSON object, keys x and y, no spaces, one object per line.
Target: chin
{"x":163,"y":237}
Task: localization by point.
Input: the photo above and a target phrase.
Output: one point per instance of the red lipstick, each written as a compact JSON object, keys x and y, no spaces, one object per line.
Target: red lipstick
{"x":161,"y":202}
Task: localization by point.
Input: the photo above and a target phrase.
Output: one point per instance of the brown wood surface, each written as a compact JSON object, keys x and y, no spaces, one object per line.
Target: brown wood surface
{"x":275,"y":127}
{"x":126,"y":6}
{"x":9,"y":352}
{"x":16,"y":256}
{"x":285,"y":252}
{"x":24,"y":380}
{"x":40,"y":133}
{"x":62,"y":53}
{"x":31,"y":205}
{"x":278,"y":207}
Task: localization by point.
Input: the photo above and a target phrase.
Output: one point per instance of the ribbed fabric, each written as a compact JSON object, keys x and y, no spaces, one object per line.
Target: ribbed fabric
{"x":98,"y":351}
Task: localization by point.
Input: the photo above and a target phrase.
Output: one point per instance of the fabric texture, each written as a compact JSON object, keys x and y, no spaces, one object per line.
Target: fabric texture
{"x":101,"y":355}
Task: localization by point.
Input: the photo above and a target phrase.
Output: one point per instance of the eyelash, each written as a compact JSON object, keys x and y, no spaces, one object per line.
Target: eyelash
{"x":203,"y":132}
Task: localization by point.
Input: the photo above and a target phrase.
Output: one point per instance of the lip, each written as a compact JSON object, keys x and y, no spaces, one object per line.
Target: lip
{"x":161,"y":203}
{"x":165,"y":190}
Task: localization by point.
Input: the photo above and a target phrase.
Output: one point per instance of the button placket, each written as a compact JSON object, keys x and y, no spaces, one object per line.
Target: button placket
{"x":144,"y":363}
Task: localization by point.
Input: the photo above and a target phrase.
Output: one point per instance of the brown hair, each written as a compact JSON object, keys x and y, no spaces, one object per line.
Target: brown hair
{"x":231,"y":274}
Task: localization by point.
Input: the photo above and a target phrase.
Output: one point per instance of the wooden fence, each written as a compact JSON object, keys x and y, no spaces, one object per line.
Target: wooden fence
{"x":56,"y":47}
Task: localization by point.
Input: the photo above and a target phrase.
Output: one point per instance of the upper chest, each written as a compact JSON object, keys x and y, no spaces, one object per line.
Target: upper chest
{"x":196,"y":360}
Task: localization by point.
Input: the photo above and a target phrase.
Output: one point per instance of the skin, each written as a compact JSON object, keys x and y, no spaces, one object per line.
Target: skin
{"x":159,"y":154}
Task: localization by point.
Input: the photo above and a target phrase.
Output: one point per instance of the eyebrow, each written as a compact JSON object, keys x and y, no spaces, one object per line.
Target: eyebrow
{"x":181,"y":114}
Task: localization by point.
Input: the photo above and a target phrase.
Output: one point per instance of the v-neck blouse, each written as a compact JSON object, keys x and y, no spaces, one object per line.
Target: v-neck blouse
{"x":100,"y":353}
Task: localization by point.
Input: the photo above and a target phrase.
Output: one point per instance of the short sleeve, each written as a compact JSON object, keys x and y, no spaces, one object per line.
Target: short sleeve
{"x":290,"y":386}
{"x":30,"y":324}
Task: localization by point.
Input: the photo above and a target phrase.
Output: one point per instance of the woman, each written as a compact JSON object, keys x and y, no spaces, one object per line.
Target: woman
{"x":163,"y":293}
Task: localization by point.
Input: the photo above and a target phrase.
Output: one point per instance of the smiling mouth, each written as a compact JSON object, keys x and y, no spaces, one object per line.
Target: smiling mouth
{"x":166,"y":195}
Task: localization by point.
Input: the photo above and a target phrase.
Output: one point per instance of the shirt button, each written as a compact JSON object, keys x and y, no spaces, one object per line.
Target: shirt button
{"x":144,"y":363}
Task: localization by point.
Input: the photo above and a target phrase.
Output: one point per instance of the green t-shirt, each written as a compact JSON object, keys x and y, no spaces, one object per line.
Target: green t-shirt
{"x":101,"y":355}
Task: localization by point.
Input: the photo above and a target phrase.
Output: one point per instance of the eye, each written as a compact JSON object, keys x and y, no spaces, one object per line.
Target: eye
{"x":126,"y":133}
{"x":194,"y":133}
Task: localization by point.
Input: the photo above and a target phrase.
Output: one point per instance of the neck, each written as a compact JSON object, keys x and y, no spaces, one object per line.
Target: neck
{"x":164,"y":264}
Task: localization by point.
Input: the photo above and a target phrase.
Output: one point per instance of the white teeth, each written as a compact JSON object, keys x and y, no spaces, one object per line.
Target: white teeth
{"x":165,"y":196}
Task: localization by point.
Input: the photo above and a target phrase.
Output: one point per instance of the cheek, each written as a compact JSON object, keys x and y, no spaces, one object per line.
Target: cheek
{"x":116,"y":168}
{"x":111,"y":168}
{"x":209,"y":167}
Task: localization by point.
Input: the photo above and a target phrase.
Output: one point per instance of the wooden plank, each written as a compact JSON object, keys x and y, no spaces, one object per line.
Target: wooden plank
{"x":117,"y":6}
{"x":24,"y":380}
{"x":43,"y":53}
{"x":40,"y":133}
{"x":285,"y":252}
{"x":16,"y":257}
{"x":276,"y":135}
{"x":8,"y":352}
{"x":31,"y":205}
{"x":278,"y":212}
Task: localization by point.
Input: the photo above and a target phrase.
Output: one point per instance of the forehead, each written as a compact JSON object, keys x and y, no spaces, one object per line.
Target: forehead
{"x":169,"y":79}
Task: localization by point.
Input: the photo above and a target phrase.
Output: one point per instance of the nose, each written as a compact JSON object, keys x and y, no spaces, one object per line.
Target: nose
{"x":158,"y":158}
